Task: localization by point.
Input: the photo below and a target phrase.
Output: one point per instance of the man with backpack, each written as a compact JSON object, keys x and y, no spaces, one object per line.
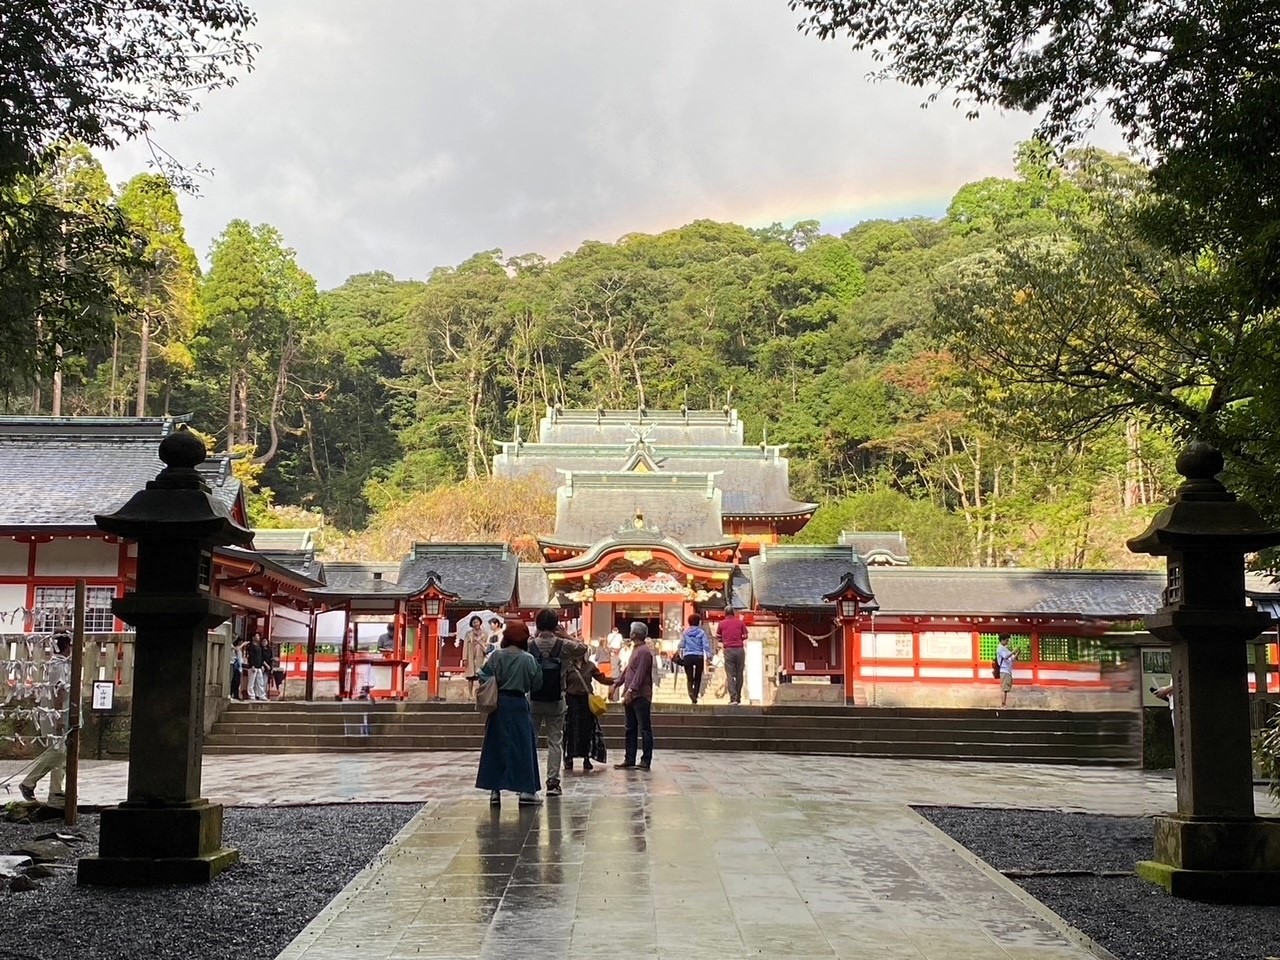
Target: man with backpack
{"x":554,"y":651}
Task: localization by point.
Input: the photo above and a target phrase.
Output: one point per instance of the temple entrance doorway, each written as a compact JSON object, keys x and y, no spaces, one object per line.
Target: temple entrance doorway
{"x":663,"y":616}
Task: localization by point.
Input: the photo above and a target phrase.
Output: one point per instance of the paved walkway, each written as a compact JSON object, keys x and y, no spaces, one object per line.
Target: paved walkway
{"x":712,"y":855}
{"x":414,"y":777}
{"x":666,"y":875}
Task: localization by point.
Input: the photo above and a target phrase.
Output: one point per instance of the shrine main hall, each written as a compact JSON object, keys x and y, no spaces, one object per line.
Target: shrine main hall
{"x":659,"y":514}
{"x":663,"y":513}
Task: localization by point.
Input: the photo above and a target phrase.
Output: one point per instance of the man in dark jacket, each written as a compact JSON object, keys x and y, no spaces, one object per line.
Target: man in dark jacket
{"x":637,"y":694}
{"x":554,"y":650}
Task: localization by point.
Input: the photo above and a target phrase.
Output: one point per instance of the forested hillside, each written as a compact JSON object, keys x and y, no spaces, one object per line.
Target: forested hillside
{"x":372,"y":409}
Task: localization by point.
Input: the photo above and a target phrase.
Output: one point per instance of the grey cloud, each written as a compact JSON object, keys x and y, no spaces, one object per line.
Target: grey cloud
{"x":402,"y":135}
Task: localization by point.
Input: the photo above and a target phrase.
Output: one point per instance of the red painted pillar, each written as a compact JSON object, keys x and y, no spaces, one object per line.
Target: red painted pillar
{"x":849,"y":637}
{"x":431,"y":661}
{"x":915,"y":650}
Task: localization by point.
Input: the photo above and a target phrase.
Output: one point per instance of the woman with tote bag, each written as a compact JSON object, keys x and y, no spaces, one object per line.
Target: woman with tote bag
{"x":582,"y":735}
{"x":509,"y":757}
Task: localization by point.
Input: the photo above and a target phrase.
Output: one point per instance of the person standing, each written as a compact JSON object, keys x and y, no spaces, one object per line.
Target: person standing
{"x":553,"y":650}
{"x":615,"y":644}
{"x":257,"y":669}
{"x":509,"y":755}
{"x":237,"y":668}
{"x":693,"y":653}
{"x":475,"y":650}
{"x":387,"y":640}
{"x":53,"y":761}
{"x":1005,"y":659}
{"x":496,"y":633}
{"x":582,"y":735}
{"x":637,"y":695}
{"x":733,"y":642}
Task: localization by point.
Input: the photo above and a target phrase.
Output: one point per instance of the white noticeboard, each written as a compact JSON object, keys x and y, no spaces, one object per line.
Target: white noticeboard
{"x":104,"y":694}
{"x":755,"y":671}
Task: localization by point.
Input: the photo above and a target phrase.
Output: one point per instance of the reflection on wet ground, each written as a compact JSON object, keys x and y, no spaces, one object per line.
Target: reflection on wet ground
{"x":634,"y":868}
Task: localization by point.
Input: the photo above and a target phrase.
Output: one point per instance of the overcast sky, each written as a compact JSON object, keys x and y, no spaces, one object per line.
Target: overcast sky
{"x":401,"y":135}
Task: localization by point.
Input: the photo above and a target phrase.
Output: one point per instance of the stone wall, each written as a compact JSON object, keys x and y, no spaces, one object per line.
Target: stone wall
{"x":987,"y":696}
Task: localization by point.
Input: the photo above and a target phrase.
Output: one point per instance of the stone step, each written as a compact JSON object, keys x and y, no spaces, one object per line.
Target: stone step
{"x":297,"y":727}
{"x":939,"y":751}
{"x":319,"y":710}
{"x":869,"y":730}
{"x":1063,"y":750}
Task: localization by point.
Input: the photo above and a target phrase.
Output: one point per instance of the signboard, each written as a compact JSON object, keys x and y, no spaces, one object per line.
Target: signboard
{"x":946,"y":645}
{"x":887,"y":646}
{"x":104,"y":694}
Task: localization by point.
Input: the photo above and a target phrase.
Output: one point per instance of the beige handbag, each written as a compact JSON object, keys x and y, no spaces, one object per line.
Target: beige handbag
{"x":487,"y":696}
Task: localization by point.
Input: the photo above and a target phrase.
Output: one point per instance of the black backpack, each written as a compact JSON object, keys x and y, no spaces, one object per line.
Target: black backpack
{"x":552,"y":679}
{"x":995,"y":667}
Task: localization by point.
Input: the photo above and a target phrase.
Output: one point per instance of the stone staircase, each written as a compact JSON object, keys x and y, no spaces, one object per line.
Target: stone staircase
{"x":1039,"y":736}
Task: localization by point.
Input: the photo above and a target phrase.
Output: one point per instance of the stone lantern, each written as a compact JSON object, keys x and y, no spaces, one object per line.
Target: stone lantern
{"x":165,"y":832}
{"x":1214,"y":847}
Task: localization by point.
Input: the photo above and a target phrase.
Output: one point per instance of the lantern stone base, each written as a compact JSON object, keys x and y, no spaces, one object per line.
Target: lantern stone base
{"x":1216,"y":861}
{"x":146,"y":845}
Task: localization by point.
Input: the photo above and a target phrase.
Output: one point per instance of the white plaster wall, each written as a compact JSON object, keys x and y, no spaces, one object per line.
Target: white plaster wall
{"x":13,"y":558}
{"x":13,"y":597}
{"x":287,"y":631}
{"x":77,"y":558}
{"x":329,"y":627}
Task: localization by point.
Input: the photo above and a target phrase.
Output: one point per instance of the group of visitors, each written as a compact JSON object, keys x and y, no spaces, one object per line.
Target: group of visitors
{"x":545,"y":684}
{"x":697,"y":655}
{"x":256,"y":673}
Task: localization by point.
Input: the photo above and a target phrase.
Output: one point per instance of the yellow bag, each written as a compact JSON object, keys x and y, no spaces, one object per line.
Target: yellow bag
{"x":598,"y":704}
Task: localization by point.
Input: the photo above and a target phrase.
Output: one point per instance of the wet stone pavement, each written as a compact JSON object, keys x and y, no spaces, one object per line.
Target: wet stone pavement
{"x":715,"y":855}
{"x":679,"y":876}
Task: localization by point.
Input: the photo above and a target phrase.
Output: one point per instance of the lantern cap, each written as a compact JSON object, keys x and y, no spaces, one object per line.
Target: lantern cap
{"x":1204,"y":515}
{"x":176,"y":505}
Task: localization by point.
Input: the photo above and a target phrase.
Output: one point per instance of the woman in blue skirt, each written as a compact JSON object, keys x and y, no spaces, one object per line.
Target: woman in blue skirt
{"x":509,"y":757}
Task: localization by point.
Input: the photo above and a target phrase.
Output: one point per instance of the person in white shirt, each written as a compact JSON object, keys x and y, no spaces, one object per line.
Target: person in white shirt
{"x":1005,"y":659}
{"x":613,"y":642}
{"x":53,"y":762}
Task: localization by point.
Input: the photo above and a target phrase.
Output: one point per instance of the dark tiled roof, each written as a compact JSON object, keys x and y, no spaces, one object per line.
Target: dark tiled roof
{"x":535,"y":588}
{"x":60,"y":472}
{"x":293,"y":548}
{"x":799,"y":577}
{"x":481,"y":574}
{"x":595,"y":505}
{"x":300,"y":562}
{"x":740,"y":593}
{"x":273,"y":565}
{"x":878,"y":547}
{"x":347,"y":579}
{"x":753,"y":481}
{"x":216,"y":473}
{"x":1104,"y":594}
{"x":700,"y":427}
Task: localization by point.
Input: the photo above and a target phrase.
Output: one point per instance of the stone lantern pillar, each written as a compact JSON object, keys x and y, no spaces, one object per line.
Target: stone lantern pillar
{"x":165,"y":832}
{"x":1214,"y":847}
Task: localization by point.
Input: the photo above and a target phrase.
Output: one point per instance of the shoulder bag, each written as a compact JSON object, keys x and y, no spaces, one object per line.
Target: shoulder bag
{"x":487,"y":696}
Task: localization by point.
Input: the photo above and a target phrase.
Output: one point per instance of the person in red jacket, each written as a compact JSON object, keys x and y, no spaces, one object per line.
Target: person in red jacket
{"x":733,"y":642}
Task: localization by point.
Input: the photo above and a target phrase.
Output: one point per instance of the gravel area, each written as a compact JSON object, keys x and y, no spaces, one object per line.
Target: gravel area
{"x":1129,"y":917}
{"x":293,"y":861}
